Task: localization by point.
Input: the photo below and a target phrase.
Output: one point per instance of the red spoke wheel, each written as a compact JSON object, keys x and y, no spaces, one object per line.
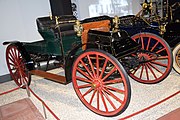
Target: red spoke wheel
{"x":16,"y":66}
{"x":176,"y":56}
{"x":101,"y":82}
{"x":155,"y":58}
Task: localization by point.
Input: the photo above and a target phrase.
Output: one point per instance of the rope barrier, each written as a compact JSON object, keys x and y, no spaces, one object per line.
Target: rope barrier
{"x":44,"y":104}
{"x":151,"y":106}
{"x":14,"y":89}
{"x":129,"y":116}
{"x":9,"y":91}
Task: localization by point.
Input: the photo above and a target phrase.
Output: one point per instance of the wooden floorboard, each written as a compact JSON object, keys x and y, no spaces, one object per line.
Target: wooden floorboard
{"x":174,"y":115}
{"x":47,"y":75}
{"x":22,"y":109}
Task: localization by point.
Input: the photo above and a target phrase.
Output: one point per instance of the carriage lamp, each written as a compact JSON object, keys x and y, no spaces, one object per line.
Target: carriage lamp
{"x":116,"y":22}
{"x":144,"y":5}
{"x":147,"y":5}
{"x":162,"y":29}
{"x":78,"y":28}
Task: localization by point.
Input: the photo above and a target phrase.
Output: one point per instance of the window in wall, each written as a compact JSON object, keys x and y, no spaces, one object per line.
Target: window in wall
{"x":110,"y":7}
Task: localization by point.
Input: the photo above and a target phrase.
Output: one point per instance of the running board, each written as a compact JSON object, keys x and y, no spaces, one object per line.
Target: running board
{"x":47,"y":75}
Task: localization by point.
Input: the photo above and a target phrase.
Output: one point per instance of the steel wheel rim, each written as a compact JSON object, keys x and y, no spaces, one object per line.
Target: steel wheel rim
{"x":100,"y":90}
{"x":153,"y":71}
{"x":16,"y":66}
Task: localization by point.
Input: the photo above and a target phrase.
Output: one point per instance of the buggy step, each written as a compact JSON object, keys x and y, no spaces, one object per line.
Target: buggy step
{"x":47,"y":75}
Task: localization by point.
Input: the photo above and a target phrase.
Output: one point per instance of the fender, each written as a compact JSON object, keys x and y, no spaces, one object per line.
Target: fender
{"x":69,"y":60}
{"x":28,"y":61}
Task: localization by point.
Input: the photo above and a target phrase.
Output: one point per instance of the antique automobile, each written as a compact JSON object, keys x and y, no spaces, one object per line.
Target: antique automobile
{"x":97,"y":58}
{"x":167,"y":26}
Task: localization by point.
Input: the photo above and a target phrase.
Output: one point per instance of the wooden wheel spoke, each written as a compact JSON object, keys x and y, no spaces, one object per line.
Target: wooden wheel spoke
{"x":13,"y":53}
{"x":98,"y":99}
{"x":142,"y":42}
{"x":151,"y":70}
{"x":104,"y":66}
{"x":24,"y":76}
{"x":12,"y":64}
{"x":109,"y":100}
{"x":113,"y":81}
{"x":160,"y":50}
{"x":92,"y":97}
{"x":149,"y":40}
{"x":146,"y":68}
{"x":19,"y":79}
{"x":16,"y":73}
{"x":97,"y":65}
{"x":103,"y":100}
{"x":87,"y":92}
{"x":135,"y":70}
{"x":112,"y":71}
{"x":87,"y":69}
{"x":155,"y":68}
{"x":115,"y":89}
{"x":141,"y":71}
{"x":13,"y":69}
{"x":154,"y":46}
{"x":162,"y":57}
{"x":84,"y":86}
{"x":92,"y":67}
{"x":160,"y":64}
{"x":84,"y":74}
{"x":10,"y":55}
{"x":83,"y":79}
{"x":20,"y":61}
{"x":112,"y":95}
{"x":11,"y":60}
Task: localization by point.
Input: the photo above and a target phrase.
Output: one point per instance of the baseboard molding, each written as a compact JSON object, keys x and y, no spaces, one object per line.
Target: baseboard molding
{"x":5,"y":78}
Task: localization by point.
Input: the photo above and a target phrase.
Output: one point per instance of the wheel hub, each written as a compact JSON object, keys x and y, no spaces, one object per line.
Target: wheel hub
{"x":144,"y":56}
{"x":96,"y":84}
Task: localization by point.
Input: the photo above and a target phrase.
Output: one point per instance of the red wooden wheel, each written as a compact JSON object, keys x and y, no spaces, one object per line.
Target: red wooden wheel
{"x":101,"y":83}
{"x":176,"y":56}
{"x":155,"y":59}
{"x":16,"y":66}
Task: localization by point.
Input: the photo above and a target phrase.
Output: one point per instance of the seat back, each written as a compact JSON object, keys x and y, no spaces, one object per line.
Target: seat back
{"x":102,"y":23}
{"x":45,"y":27}
{"x":52,"y":33}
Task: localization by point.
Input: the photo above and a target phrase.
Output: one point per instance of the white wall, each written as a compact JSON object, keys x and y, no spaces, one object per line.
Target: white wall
{"x":17,"y":22}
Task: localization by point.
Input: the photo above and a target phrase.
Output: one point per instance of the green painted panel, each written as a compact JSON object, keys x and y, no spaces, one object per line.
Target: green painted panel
{"x":69,"y":42}
{"x":51,"y":44}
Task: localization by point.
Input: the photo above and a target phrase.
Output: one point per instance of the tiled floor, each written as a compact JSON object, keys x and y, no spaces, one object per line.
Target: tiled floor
{"x":64,"y":102}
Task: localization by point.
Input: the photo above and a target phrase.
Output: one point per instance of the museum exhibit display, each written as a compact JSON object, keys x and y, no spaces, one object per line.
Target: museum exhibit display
{"x":97,"y":57}
{"x":99,"y":53}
